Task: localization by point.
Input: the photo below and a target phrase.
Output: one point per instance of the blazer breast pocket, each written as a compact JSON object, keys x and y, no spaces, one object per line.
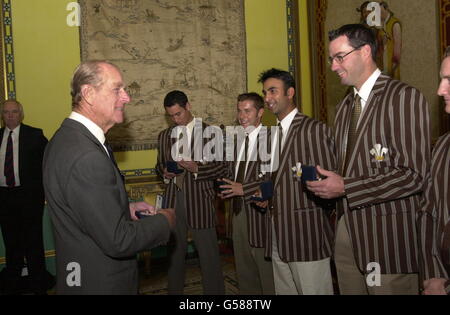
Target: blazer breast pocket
{"x":380,"y":167}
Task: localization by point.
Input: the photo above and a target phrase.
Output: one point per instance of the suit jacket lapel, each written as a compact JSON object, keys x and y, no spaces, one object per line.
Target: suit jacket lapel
{"x":288,"y":144}
{"x":70,"y":123}
{"x":367,"y":115}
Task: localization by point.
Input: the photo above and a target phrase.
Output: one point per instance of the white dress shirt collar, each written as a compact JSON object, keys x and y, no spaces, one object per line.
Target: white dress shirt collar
{"x":15,"y":131}
{"x":367,"y":87}
{"x":287,"y":121}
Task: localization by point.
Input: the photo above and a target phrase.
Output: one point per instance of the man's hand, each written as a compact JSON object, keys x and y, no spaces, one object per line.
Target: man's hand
{"x":260,"y":204}
{"x":141,"y":207}
{"x":434,"y":286}
{"x":189,"y":166}
{"x":329,"y":188}
{"x":169,"y":213}
{"x":231,"y":189}
{"x":168,"y":175}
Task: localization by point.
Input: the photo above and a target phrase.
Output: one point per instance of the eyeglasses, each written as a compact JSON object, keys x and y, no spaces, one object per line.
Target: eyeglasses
{"x":340,"y":58}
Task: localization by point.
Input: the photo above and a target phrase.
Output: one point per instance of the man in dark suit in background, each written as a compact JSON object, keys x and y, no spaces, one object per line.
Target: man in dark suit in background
{"x":22,"y":201}
{"x":192,"y":199}
{"x":96,"y":239}
{"x":300,"y":236}
{"x":382,"y":135}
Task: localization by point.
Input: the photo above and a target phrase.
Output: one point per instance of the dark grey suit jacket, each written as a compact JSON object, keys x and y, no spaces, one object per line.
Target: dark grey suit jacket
{"x":89,"y":209}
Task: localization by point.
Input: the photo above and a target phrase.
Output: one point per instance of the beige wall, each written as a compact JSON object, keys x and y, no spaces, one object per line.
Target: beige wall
{"x":420,"y":59}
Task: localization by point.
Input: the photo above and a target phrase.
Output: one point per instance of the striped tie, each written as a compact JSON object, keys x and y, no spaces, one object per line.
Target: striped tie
{"x":9,"y":162}
{"x":352,"y":135}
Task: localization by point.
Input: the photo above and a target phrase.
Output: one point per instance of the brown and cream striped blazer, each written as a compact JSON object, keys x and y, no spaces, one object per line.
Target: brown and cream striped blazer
{"x":383,"y":196}
{"x":301,"y":220}
{"x":199,"y":194}
{"x":434,"y":217}
{"x":256,"y":221}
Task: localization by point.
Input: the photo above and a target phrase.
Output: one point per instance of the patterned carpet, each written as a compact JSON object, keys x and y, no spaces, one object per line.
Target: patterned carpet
{"x":153,"y":281}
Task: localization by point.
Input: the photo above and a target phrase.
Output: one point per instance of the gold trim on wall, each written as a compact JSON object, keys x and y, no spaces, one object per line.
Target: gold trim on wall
{"x":294,"y":61}
{"x":8,"y":78}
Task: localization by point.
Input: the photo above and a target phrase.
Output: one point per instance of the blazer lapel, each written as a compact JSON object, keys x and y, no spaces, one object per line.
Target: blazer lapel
{"x":367,"y":115}
{"x":288,"y":144}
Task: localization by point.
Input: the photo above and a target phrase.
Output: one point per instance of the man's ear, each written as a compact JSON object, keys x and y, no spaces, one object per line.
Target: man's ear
{"x":260,"y":112}
{"x":188,"y":106}
{"x":291,"y":92}
{"x":366,"y":51}
{"x":87,"y":93}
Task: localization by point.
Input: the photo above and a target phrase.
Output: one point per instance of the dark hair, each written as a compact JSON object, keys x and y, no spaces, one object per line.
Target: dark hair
{"x":257,"y":100}
{"x":286,"y":77}
{"x":174,"y":98}
{"x":358,"y":35}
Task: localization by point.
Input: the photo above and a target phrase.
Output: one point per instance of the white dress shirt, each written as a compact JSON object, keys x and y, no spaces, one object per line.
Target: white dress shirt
{"x":15,"y":140}
{"x":285,"y":125}
{"x":252,"y":137}
{"x":366,"y":89}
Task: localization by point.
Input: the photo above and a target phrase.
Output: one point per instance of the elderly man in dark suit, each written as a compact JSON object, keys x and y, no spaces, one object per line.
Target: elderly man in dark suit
{"x":434,"y":217}
{"x":382,"y":135}
{"x":192,"y":199}
{"x":299,"y":231}
{"x":22,"y":200}
{"x":96,"y":239}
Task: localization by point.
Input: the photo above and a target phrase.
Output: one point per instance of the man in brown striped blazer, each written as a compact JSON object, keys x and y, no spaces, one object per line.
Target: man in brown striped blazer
{"x":192,"y":199}
{"x":434,"y":217}
{"x":382,"y":136}
{"x":253,"y":269}
{"x":299,"y":232}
